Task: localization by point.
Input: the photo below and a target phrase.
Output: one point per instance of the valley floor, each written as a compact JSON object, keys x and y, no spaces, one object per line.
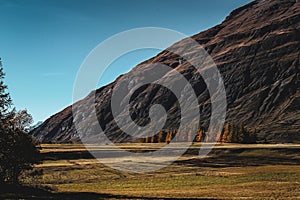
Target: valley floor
{"x":230,"y":171}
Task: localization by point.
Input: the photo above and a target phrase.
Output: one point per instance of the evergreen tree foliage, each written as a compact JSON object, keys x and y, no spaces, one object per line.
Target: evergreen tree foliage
{"x":17,"y":150}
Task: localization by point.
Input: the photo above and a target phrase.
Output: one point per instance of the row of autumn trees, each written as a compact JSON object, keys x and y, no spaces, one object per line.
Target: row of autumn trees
{"x":167,"y":136}
{"x":237,"y":134}
{"x":230,"y":134}
{"x":17,"y":149}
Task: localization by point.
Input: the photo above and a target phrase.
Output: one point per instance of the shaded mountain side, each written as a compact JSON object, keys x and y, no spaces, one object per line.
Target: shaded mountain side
{"x":257,"y":51}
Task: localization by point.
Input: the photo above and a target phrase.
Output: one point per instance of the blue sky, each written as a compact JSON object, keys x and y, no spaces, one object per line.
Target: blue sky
{"x":43,"y":43}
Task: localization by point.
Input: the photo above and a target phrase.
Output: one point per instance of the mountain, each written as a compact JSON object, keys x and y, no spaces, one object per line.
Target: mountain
{"x":256,"y":49}
{"x":37,"y":124}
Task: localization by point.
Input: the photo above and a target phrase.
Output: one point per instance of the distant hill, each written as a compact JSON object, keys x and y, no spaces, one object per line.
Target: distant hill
{"x":257,"y":51}
{"x":37,"y":124}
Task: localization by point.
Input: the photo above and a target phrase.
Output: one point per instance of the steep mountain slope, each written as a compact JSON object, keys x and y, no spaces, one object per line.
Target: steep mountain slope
{"x":257,"y":51}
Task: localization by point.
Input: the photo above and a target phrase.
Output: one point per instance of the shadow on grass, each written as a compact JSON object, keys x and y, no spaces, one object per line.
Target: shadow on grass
{"x":243,"y":157}
{"x":236,"y":157}
{"x":67,"y":155}
{"x":25,"y":192}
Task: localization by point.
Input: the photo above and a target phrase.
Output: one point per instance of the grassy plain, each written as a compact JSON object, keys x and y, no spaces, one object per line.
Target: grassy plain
{"x":230,"y":171}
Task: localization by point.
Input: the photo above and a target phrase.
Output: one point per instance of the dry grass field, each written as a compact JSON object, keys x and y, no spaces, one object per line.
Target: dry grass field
{"x":230,"y":171}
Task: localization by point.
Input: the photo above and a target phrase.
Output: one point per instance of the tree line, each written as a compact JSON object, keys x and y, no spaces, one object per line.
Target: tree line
{"x":18,"y":151}
{"x":231,"y":134}
{"x":237,"y":134}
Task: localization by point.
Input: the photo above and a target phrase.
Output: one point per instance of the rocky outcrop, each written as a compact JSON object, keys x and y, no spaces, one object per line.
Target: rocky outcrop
{"x":257,"y":51}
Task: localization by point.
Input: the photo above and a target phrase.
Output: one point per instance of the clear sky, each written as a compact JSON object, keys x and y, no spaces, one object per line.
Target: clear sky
{"x":44,"y":42}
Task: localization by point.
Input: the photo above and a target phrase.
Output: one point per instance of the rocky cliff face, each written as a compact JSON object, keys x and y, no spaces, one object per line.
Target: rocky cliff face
{"x":257,"y":51}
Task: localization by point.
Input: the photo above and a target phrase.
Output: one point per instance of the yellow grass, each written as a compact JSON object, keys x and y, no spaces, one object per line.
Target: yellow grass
{"x":257,"y":172}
